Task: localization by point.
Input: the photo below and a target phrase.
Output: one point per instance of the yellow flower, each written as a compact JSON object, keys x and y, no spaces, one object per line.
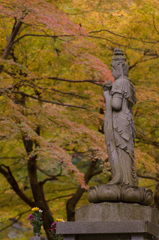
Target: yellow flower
{"x":35,"y":209}
{"x":59,"y":220}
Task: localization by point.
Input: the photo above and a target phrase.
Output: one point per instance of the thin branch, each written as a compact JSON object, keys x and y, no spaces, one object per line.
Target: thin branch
{"x":2,"y":137}
{"x":71,"y":81}
{"x":98,"y":31}
{"x":96,"y":82}
{"x":56,"y":90}
{"x":48,"y":179}
{"x":51,"y":178}
{"x":15,"y":23}
{"x":6,"y":172}
{"x":59,"y":124}
{"x":145,"y":60}
{"x":17,"y":219}
{"x":144,"y":139}
{"x":60,"y":197}
{"x":154,"y":24}
{"x":9,"y":157}
{"x":42,"y":35}
{"x":119,"y":35}
{"x":149,"y":186}
{"x":48,"y":101}
{"x":66,"y":189}
{"x":148,"y":177}
{"x":9,"y":225}
{"x":96,"y":173}
{"x":50,"y":175}
{"x":41,"y":170}
{"x":117,"y":43}
{"x":33,"y":35}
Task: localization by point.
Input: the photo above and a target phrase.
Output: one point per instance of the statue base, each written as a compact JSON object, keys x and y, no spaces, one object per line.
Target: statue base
{"x":119,"y":193}
{"x":105,"y":212}
{"x":38,"y":238}
{"x":112,"y":221}
{"x":132,"y":230}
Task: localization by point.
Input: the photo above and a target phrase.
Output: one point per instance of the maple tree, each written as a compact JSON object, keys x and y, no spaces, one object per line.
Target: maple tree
{"x":54,"y":58}
{"x":33,"y":117}
{"x":132,"y":25}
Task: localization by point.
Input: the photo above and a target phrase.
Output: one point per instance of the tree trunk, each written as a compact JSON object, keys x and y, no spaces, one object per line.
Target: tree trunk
{"x":36,"y":186}
{"x":71,"y":203}
{"x":47,"y":217}
{"x":10,"y":43}
{"x":156,"y":196}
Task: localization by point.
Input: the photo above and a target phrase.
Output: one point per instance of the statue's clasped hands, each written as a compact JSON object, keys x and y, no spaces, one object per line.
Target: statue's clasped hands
{"x":107,"y":85}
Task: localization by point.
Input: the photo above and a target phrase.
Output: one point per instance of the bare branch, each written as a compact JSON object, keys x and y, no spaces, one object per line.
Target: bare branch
{"x":119,"y":35}
{"x":48,"y":179}
{"x":98,"y":31}
{"x":17,"y":219}
{"x":96,"y":82}
{"x":55,"y":90}
{"x":5,"y":170}
{"x":51,"y":177}
{"x":145,"y":60}
{"x":11,"y":39}
{"x":15,"y":23}
{"x":144,"y":139}
{"x":41,"y":170}
{"x":96,"y":173}
{"x":148,"y":177}
{"x":154,"y":24}
{"x":42,"y":35}
{"x":66,"y":189}
{"x":48,"y":101}
{"x":60,"y":197}
{"x":71,"y":203}
{"x":118,"y":44}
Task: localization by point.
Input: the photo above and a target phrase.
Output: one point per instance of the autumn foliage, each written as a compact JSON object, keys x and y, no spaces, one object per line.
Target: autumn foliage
{"x":55,"y":56}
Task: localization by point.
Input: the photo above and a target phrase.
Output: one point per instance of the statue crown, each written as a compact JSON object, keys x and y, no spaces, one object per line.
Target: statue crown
{"x":118,"y":51}
{"x":118,"y":55}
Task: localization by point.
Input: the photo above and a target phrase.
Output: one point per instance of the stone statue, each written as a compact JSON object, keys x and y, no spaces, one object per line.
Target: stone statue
{"x":119,"y":132}
{"x":118,"y":123}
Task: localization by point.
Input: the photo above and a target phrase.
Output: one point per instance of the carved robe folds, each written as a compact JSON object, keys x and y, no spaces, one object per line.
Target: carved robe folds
{"x":119,"y":132}
{"x":124,"y":131}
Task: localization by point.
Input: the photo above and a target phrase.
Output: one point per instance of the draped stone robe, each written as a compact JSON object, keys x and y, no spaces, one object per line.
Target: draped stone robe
{"x":120,"y":132}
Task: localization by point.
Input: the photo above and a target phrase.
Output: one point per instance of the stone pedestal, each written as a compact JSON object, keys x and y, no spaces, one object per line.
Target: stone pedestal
{"x":37,"y":238}
{"x":112,"y":221}
{"x":116,"y":212}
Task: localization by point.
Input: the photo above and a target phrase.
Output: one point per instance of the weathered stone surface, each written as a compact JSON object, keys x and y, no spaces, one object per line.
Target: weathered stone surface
{"x":113,"y":237}
{"x":116,"y":212}
{"x":38,"y":238}
{"x":119,"y":132}
{"x":114,"y":227}
{"x":119,"y":193}
{"x":112,"y":221}
{"x":119,"y":126}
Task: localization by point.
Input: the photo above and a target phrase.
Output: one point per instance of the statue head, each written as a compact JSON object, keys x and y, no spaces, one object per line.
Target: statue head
{"x":119,"y":66}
